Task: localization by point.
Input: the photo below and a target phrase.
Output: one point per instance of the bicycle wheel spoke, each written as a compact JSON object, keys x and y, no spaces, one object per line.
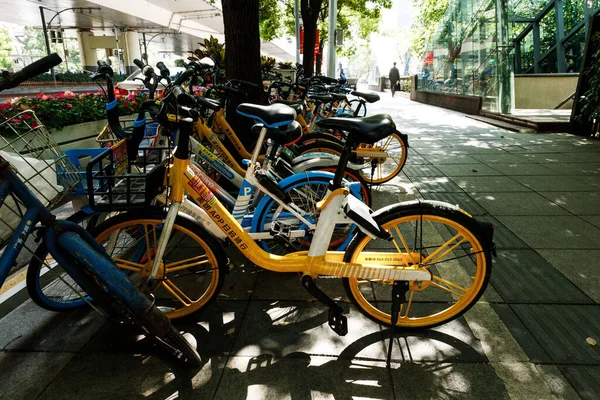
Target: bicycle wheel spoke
{"x":128,"y":265}
{"x":443,"y":247}
{"x":448,"y":285}
{"x":148,"y":247}
{"x":410,"y":299}
{"x":187,"y":263}
{"x":177,"y":293}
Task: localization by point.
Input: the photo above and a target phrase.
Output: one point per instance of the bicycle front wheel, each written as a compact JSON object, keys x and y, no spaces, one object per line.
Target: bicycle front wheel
{"x":385,"y":159}
{"x":192,"y":270}
{"x":49,"y":286}
{"x":443,"y":241}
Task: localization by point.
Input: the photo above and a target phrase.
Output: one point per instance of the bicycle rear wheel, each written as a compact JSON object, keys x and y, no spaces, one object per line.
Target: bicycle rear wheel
{"x":448,"y":244}
{"x":385,"y":158}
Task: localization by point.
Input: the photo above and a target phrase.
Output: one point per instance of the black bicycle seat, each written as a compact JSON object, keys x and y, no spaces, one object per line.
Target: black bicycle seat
{"x":368,"y":96}
{"x":322,"y":98}
{"x":273,"y":116}
{"x":285,"y":135}
{"x":208,"y":103}
{"x":364,"y":130}
{"x":338,"y":96}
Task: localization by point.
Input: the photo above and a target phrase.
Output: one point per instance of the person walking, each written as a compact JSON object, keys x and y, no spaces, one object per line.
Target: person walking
{"x":394,"y":77}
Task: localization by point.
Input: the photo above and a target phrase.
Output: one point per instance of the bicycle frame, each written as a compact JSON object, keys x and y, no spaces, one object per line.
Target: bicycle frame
{"x":317,"y":261}
{"x":73,"y":240}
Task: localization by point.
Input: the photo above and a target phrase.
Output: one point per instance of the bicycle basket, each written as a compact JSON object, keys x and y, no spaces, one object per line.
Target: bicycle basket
{"x":38,"y":160}
{"x":116,"y":184}
{"x":107,"y":137}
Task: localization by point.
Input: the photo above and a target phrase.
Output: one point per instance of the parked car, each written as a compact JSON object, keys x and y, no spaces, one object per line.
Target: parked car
{"x":131,"y":84}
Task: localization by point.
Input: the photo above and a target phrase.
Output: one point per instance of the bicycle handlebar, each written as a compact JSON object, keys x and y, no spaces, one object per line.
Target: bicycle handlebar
{"x":244,"y":83}
{"x":34,"y":69}
{"x":138,"y":63}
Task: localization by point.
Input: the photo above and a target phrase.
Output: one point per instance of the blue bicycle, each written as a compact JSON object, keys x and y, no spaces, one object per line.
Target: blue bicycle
{"x":26,"y":195}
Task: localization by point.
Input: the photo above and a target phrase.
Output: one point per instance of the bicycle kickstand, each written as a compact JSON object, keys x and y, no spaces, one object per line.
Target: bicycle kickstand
{"x":399,"y":290}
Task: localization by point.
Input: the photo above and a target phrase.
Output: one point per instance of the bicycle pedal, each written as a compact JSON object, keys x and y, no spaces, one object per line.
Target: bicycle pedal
{"x":338,"y":322}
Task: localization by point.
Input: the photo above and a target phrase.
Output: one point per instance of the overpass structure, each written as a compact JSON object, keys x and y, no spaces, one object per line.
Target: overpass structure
{"x":129,"y":27}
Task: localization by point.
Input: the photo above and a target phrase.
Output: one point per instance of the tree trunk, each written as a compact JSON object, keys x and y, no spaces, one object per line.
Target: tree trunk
{"x":242,"y":59}
{"x":319,"y":58}
{"x":310,"y":10}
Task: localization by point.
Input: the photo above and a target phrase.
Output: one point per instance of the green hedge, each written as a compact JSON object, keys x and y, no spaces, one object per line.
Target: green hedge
{"x":71,"y":77}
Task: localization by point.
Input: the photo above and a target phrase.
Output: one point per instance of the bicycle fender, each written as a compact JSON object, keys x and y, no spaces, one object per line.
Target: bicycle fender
{"x":325,"y":162}
{"x":404,"y":138}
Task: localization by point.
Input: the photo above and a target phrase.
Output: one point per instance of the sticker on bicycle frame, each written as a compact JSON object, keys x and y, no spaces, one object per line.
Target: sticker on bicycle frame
{"x":210,"y":155}
{"x":120,"y":159}
{"x":203,"y":193}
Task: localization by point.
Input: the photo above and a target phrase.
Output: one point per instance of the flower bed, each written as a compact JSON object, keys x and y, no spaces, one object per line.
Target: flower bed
{"x":66,"y":108}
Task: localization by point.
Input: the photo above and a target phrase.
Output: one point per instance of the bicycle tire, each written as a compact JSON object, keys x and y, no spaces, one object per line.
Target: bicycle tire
{"x":132,"y":254}
{"x":320,"y":146}
{"x":467,"y":261}
{"x":350,"y":108}
{"x":40,"y":291}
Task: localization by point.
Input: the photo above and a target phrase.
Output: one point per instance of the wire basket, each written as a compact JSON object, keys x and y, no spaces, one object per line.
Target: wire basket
{"x":117,"y":184}
{"x":38,"y":160}
{"x":107,"y":137}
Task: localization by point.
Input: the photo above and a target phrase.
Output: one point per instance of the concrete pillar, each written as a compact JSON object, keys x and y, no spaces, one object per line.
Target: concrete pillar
{"x":130,"y":43}
{"x":87,"y":51}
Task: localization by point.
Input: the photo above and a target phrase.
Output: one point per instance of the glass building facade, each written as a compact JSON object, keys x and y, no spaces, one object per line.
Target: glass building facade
{"x":479,"y":44}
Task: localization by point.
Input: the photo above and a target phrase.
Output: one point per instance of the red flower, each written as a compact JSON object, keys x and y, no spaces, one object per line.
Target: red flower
{"x":26,"y":116}
{"x":34,"y":124}
{"x":126,"y":103}
{"x":69,"y":106}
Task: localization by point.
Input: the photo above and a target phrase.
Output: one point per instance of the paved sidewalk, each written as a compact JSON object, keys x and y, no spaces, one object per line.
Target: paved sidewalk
{"x":265,"y":339}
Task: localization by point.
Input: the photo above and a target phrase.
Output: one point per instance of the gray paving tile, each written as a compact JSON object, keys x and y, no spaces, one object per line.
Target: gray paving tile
{"x":524,"y":169}
{"x":240,"y":281}
{"x":501,"y":158}
{"x":463,"y":200}
{"x":95,"y":376}
{"x":25,"y":375}
{"x":576,"y":169}
{"x":551,"y":158}
{"x":421,"y":170}
{"x":582,"y":267}
{"x":585,"y":380}
{"x":467,"y":170}
{"x":476,"y":184}
{"x":474,"y":149}
{"x":31,"y":328}
{"x":557,"y":232}
{"x":592,"y":180}
{"x":451,"y":342}
{"x":447,"y":381}
{"x":555,"y":183}
{"x":556,"y":381}
{"x":518,"y":203}
{"x":449,"y":159}
{"x":280,"y":328}
{"x":503,"y":237}
{"x":276,"y":285}
{"x":525,"y":339}
{"x":435,"y":185}
{"x":580,"y":203}
{"x":523,"y":276}
{"x":215,"y":329}
{"x":303,"y":376}
{"x":562,"y":330}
